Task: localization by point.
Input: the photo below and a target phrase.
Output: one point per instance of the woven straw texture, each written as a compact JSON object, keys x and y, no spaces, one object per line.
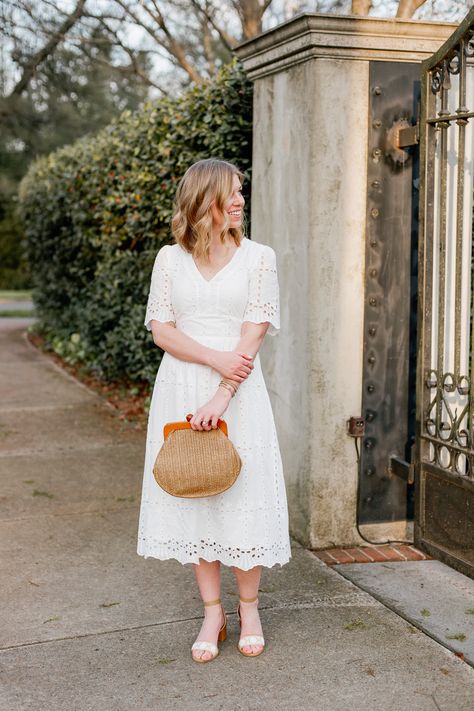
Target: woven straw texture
{"x":195,"y":463}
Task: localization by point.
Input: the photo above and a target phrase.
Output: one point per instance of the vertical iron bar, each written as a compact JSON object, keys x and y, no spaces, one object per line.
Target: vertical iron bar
{"x":442,"y":253}
{"x":425,"y":294}
{"x":460,"y":211}
{"x":427,"y":231}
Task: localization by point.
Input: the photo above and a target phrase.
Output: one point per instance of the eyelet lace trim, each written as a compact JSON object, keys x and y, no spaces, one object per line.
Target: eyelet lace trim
{"x":159,"y":306}
{"x":264,"y":299}
{"x":277,"y":553}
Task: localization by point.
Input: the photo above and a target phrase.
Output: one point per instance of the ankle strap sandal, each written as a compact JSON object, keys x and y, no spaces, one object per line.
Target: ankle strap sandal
{"x":249,"y":639}
{"x":210,"y":646}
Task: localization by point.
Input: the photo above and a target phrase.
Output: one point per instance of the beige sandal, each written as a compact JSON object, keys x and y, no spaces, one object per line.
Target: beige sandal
{"x":209,"y":646}
{"x":249,"y":639}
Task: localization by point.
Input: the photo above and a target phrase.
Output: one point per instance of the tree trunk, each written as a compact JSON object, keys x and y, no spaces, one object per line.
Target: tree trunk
{"x":251,"y":13}
{"x":361,"y":7}
{"x":407,"y":8}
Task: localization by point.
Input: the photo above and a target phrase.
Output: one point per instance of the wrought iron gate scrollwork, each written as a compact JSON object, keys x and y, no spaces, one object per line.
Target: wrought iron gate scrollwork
{"x":444,"y":461}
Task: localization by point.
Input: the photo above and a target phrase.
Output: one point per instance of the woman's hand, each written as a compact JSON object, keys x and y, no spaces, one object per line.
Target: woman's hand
{"x":211,"y":411}
{"x":231,"y":364}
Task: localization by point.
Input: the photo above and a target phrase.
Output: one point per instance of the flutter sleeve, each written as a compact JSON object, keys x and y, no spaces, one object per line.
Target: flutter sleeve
{"x":264,"y":298}
{"x":159,"y":306}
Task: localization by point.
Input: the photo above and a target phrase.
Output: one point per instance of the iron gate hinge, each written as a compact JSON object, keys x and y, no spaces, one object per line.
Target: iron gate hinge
{"x":401,"y":468}
{"x":409,"y":136}
{"x":400,"y":136}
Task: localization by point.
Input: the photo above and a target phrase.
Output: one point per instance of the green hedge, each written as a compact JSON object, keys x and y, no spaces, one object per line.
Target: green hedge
{"x":95,"y":213}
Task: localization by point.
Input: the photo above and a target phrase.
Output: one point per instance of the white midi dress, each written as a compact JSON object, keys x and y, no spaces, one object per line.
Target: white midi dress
{"x":247,"y":525}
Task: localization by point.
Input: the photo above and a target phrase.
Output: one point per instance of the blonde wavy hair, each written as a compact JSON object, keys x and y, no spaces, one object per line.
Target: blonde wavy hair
{"x":203,"y":182}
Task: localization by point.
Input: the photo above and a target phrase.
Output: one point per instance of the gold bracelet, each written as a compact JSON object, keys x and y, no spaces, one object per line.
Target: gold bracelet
{"x":229,"y":383}
{"x":232,"y":384}
{"x":228,"y":387}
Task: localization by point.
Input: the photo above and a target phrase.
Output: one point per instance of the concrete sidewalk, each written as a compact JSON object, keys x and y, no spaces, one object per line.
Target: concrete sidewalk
{"x":88,"y":624}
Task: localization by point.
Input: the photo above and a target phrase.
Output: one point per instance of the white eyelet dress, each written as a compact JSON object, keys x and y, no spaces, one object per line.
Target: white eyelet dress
{"x":247,"y":525}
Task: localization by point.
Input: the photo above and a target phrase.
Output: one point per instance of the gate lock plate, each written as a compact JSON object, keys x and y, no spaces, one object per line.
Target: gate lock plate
{"x":356,"y":427}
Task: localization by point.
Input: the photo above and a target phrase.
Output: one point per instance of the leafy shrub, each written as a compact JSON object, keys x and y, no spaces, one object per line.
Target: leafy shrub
{"x":96,"y":212}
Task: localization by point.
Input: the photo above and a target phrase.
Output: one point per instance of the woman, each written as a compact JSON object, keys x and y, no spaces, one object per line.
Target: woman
{"x":213,"y":297}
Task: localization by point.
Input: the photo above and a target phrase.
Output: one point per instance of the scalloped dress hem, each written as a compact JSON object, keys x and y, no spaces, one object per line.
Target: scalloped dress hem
{"x":164,"y":554}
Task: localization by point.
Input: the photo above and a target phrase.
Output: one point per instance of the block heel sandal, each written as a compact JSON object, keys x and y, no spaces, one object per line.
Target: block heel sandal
{"x":249,"y":639}
{"x":209,"y":646}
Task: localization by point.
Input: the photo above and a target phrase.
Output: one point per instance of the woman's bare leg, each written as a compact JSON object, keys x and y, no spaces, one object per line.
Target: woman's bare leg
{"x":208,"y":577}
{"x":248,"y":582}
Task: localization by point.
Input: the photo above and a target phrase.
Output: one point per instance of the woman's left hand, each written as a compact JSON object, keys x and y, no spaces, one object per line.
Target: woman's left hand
{"x":211,"y":411}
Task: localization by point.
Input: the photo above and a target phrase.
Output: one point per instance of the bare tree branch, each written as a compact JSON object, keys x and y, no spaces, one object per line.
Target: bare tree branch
{"x":134,"y":67}
{"x":227,"y":40}
{"x":131,"y":69}
{"x":174,"y":46}
{"x":39,"y":56}
{"x":171,"y":44}
{"x":207,"y":46}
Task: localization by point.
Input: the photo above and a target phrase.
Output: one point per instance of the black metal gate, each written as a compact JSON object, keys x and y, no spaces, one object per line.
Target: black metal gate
{"x":444,"y":445}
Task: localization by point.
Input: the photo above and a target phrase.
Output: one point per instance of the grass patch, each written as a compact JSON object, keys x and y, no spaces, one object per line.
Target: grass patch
{"x":459,"y":636}
{"x":355,"y":625}
{"x":37,"y":492}
{"x":469,"y":611}
{"x":17,"y":313}
{"x":425,"y":612}
{"x":166,"y":660}
{"x":13,"y":295}
{"x":108,"y":604}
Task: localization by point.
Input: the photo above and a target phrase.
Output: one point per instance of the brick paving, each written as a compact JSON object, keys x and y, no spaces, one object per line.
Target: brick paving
{"x":371,"y":554}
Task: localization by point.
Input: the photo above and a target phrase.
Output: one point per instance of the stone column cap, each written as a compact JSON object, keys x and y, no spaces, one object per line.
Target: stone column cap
{"x":314,"y":35}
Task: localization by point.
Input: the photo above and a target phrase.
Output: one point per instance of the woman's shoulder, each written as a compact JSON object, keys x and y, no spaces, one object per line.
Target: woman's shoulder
{"x":258,"y":250}
{"x":259,"y":246}
{"x":168,"y":253}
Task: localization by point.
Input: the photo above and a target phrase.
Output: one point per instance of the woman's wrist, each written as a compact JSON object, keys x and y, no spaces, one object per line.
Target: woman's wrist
{"x":226,"y":388}
{"x":210,"y":354}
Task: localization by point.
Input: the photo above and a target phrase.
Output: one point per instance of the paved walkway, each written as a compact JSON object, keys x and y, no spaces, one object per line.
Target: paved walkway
{"x":87,"y":624}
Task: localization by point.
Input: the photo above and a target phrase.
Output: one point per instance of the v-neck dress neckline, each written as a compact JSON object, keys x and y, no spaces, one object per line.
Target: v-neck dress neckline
{"x":223,"y":269}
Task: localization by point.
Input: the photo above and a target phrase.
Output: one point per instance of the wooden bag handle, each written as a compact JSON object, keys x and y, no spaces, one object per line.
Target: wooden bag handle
{"x":172,"y":426}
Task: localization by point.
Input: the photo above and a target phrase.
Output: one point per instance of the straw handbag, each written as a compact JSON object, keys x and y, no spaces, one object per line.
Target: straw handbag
{"x":194,"y":463}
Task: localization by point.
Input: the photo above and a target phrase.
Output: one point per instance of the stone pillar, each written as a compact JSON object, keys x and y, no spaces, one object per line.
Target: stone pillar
{"x":309,"y":189}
